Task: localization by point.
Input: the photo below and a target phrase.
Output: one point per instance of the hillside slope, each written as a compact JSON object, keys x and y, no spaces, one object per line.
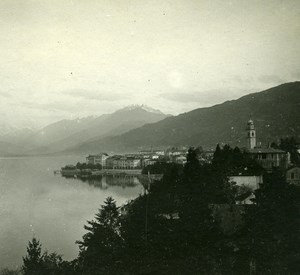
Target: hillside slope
{"x":276,"y":114}
{"x":74,"y":133}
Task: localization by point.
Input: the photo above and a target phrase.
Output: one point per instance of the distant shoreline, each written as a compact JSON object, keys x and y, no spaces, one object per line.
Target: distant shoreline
{"x":38,"y":156}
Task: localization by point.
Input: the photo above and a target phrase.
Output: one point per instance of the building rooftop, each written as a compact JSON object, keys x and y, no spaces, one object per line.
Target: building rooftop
{"x":266,"y":151}
{"x":293,"y":167}
{"x":97,"y":155}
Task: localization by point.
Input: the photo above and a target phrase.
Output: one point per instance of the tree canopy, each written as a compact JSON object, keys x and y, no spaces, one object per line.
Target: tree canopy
{"x":180,"y":226}
{"x":291,"y":145}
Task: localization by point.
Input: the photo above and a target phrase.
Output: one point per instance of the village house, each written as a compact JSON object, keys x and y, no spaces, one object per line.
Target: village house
{"x":251,"y":182}
{"x":145,"y":154}
{"x":268,"y":158}
{"x":176,"y":152}
{"x":97,"y":159}
{"x":293,"y":175}
{"x":155,"y":157}
{"x":180,"y":159}
{"x":176,"y":155}
{"x":206,"y":156}
{"x":154,"y":154}
{"x":248,"y":183}
{"x":126,"y":162}
{"x":159,"y":152}
{"x":110,"y":161}
{"x":146,"y":162}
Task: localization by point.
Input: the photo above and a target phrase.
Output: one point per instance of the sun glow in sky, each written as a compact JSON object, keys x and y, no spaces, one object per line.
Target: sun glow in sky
{"x":73,"y":58}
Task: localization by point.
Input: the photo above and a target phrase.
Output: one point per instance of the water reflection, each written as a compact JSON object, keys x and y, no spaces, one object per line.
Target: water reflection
{"x":105,"y":181}
{"x":35,"y":202}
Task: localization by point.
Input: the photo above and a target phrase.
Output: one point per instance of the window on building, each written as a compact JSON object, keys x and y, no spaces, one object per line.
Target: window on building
{"x":264,"y":156}
{"x":292,"y":175}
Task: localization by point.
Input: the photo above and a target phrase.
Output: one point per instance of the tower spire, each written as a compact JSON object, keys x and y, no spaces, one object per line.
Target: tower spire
{"x":251,"y":135}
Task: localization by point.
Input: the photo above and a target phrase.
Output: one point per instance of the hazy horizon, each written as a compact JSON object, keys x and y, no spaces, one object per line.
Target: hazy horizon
{"x":136,"y":105}
{"x":71,"y":58}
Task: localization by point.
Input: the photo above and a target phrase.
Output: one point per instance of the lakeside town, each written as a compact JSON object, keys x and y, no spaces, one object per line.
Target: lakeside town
{"x":222,"y":200}
{"x":134,"y":164}
{"x":129,"y":163}
{"x":150,"y":137}
{"x":150,"y":163}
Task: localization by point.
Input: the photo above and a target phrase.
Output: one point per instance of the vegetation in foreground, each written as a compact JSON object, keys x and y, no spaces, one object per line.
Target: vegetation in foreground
{"x":189,"y":223}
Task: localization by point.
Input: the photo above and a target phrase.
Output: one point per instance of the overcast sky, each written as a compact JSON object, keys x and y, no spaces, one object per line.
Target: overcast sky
{"x":74,"y":58}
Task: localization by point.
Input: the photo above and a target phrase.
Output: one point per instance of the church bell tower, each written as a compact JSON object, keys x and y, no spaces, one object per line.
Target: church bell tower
{"x":251,"y":135}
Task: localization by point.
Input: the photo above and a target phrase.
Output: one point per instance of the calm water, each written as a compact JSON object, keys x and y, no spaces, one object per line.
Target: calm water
{"x":35,"y":202}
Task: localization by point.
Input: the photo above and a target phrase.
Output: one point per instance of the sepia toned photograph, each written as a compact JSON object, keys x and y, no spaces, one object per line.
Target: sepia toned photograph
{"x":149,"y":137}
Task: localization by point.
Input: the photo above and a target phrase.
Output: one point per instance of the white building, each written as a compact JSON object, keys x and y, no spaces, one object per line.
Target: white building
{"x":252,"y":182}
{"x":97,"y":159}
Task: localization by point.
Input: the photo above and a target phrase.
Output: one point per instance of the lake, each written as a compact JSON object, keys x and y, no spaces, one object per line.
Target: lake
{"x":36,"y":203}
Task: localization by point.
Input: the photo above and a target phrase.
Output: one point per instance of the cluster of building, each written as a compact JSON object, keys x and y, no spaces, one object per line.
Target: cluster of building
{"x":267,"y":157}
{"x":137,"y":161}
{"x":270,"y":158}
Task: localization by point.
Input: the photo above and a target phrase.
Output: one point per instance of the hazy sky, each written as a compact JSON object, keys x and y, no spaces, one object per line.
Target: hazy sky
{"x":73,"y":58}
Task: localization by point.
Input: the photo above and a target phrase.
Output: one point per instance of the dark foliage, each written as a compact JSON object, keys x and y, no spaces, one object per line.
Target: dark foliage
{"x":273,"y":227}
{"x":84,"y":165}
{"x":233,"y":161}
{"x":38,"y":263}
{"x":101,"y":246}
{"x":160,"y":168}
{"x":175,"y":226}
{"x":32,"y":262}
{"x":291,"y":145}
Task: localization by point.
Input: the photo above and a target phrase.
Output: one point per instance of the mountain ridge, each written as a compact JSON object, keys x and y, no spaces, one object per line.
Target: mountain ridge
{"x":116,"y":123}
{"x":274,"y":111}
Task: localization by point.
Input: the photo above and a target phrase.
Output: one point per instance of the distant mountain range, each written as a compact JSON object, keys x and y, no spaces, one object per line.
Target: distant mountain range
{"x":275,"y":112}
{"x":64,"y":134}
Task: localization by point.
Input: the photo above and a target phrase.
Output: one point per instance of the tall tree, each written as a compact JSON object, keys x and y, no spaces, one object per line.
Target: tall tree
{"x":38,"y":263}
{"x":100,"y":248}
{"x":273,"y":226}
{"x":198,"y":230}
{"x":33,"y":261}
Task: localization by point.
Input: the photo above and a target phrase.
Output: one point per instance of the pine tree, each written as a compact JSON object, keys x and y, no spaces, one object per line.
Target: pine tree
{"x":33,"y":261}
{"x":100,"y":247}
